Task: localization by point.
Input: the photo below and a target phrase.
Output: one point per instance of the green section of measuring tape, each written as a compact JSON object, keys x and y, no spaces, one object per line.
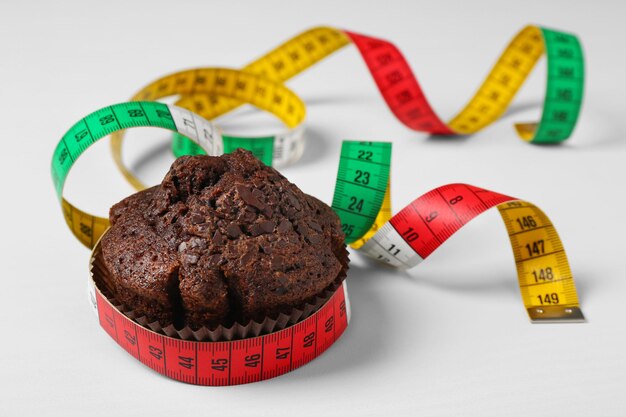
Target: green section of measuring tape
{"x":182,"y":146}
{"x":100,"y":124}
{"x":261,"y":147}
{"x":362,"y":180}
{"x":565,"y":87}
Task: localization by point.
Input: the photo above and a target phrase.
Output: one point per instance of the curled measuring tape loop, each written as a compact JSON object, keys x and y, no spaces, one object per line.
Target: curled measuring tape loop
{"x":208,"y":92}
{"x":89,"y":228}
{"x":404,"y":240}
{"x":400,"y":88}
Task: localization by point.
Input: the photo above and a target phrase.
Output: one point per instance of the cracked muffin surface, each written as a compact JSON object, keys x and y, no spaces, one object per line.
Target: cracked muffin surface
{"x":221,"y":240}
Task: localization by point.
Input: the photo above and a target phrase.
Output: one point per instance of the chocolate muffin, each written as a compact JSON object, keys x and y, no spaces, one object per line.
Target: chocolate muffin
{"x":221,"y":240}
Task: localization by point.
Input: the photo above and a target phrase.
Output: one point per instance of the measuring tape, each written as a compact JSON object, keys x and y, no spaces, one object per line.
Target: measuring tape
{"x":362,"y":201}
{"x":89,"y":228}
{"x":214,"y":92}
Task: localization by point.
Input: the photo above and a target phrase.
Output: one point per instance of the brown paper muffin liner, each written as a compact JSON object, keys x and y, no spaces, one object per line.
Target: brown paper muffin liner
{"x":102,"y":279}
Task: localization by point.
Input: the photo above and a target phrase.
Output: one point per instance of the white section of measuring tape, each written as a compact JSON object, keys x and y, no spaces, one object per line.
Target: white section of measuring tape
{"x":194,"y":126}
{"x":288,"y":146}
{"x":91,"y":296}
{"x":388,"y":246}
{"x":347,"y":300}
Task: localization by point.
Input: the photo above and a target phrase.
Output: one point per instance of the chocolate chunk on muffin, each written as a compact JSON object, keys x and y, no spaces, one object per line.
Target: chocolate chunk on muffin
{"x":221,"y":240}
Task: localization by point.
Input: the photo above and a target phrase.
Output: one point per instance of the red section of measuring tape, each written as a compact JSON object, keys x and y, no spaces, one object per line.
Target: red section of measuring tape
{"x":398,"y":85}
{"x":228,"y":363}
{"x":438,"y":214}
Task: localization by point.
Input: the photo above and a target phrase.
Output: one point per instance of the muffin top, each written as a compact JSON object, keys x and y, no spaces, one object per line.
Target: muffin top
{"x":222,"y":239}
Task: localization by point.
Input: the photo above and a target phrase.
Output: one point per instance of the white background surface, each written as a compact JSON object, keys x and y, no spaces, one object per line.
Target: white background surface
{"x":449,"y":338}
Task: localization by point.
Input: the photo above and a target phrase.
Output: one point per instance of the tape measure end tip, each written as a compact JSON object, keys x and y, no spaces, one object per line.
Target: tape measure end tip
{"x":556,"y":314}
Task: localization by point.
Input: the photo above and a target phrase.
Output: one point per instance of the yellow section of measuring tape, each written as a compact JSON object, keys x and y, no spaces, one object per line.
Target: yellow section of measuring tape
{"x":502,"y":83}
{"x":86,"y":227}
{"x":211,"y":100}
{"x":545,"y":279}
